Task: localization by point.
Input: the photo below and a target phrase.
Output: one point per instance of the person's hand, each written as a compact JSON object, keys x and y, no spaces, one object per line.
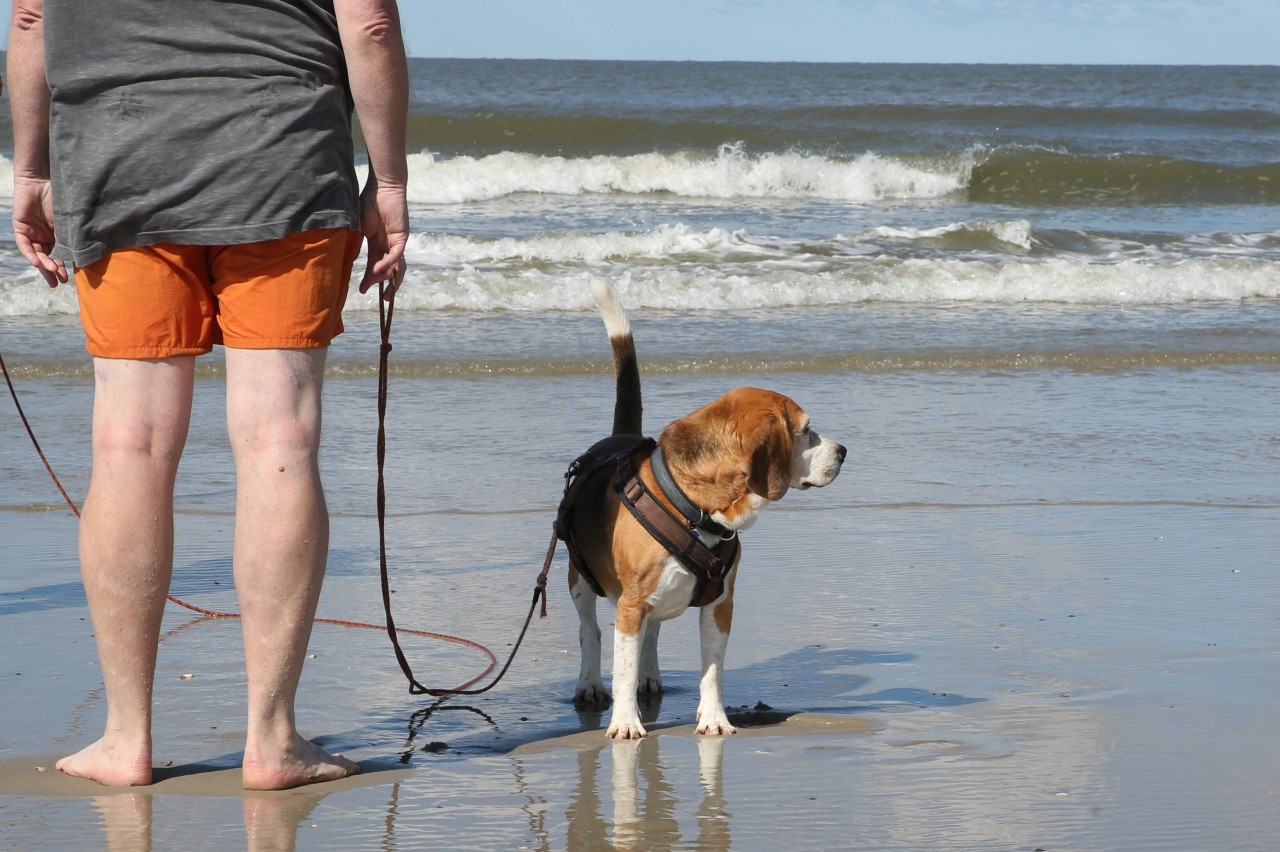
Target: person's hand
{"x":33,"y":227}
{"x":384,"y":221}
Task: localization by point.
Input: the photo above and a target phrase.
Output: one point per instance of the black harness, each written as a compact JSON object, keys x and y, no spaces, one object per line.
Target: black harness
{"x":685,"y":536}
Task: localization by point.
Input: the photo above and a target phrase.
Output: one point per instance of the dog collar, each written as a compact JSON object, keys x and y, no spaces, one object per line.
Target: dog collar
{"x":697,"y":518}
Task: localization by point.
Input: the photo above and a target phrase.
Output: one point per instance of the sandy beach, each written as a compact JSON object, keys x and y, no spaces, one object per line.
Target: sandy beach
{"x":1020,"y":619}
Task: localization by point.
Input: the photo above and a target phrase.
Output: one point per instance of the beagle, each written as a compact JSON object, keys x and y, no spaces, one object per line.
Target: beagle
{"x":725,"y":462}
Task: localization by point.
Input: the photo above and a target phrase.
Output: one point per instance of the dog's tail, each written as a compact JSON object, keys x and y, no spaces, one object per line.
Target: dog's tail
{"x":627,"y":409}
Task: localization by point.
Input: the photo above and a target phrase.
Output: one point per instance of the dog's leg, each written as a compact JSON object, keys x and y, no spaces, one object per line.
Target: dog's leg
{"x":628,"y":635}
{"x":590,"y":689}
{"x":650,"y":676}
{"x":714,"y":622}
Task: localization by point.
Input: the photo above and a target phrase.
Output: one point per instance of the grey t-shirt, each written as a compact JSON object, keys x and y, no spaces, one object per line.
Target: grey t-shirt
{"x":200,"y":122}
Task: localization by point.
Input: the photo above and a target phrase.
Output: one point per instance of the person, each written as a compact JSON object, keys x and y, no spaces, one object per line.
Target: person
{"x":195,"y":163}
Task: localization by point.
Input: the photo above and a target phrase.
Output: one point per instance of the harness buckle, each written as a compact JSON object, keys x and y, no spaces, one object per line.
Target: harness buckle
{"x":635,"y":490}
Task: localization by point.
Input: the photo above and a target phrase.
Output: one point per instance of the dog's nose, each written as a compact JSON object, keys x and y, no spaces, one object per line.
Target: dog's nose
{"x":840,"y":451}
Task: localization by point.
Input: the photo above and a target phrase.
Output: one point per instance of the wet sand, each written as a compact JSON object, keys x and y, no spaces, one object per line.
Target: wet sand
{"x":36,"y":776}
{"x":1039,"y":613}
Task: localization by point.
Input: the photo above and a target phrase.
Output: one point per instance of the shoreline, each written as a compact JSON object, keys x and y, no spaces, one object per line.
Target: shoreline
{"x":35,"y":775}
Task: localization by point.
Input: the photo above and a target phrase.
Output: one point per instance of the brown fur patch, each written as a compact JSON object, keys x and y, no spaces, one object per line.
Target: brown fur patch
{"x":736,"y":446}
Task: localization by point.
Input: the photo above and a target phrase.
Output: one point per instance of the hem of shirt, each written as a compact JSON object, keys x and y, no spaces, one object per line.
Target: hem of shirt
{"x":212,"y":235}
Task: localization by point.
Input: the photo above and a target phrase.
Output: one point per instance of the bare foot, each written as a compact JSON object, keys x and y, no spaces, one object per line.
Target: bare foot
{"x":301,"y":762}
{"x":109,"y":764}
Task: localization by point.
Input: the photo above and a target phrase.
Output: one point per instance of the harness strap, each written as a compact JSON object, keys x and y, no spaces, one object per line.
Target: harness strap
{"x":709,"y":567}
{"x":604,"y":457}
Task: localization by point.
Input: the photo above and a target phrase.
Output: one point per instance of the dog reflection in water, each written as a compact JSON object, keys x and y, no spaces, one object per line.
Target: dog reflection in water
{"x":646,"y":805}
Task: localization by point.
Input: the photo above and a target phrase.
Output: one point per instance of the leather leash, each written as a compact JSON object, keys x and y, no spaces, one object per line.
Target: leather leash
{"x":386,"y":311}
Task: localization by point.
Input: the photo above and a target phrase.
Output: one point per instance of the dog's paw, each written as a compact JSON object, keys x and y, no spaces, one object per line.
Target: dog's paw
{"x":714,"y":724}
{"x":591,"y":693}
{"x":626,"y":727}
{"x":650,"y":685}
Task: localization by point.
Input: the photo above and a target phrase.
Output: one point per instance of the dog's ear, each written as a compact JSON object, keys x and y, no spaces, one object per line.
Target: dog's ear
{"x":770,"y":475}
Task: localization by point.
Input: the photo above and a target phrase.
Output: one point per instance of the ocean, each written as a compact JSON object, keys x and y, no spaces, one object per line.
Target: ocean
{"x":1063,"y":197}
{"x":1039,"y":304}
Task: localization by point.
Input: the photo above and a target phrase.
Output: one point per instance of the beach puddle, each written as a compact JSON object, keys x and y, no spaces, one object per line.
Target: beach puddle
{"x":751,"y":724}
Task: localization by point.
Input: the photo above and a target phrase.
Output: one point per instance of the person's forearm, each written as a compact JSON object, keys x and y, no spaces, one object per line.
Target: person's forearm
{"x":379,"y":76}
{"x":28,"y":91}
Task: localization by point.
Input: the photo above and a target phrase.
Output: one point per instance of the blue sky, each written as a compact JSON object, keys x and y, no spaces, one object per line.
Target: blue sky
{"x":1074,"y":31}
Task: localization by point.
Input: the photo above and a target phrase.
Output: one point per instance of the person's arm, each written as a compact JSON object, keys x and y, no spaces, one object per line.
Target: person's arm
{"x":378,"y":72}
{"x":29,"y":104}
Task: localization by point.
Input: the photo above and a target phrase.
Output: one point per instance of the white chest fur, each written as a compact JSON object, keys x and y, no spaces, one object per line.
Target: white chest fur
{"x":675,"y":589}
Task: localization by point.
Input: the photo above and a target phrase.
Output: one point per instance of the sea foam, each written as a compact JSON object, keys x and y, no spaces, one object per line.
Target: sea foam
{"x":730,"y":173}
{"x":680,"y":268}
{"x":26,"y":295}
{"x":818,"y":282}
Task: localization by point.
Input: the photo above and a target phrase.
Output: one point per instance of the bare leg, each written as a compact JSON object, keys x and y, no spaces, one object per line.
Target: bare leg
{"x":281,"y":546}
{"x":140,"y":416}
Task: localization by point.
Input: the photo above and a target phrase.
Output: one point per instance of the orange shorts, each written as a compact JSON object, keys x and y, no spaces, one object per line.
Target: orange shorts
{"x":164,"y":300}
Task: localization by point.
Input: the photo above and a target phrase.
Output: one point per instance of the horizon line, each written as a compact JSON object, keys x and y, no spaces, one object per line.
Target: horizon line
{"x":1061,"y":63}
